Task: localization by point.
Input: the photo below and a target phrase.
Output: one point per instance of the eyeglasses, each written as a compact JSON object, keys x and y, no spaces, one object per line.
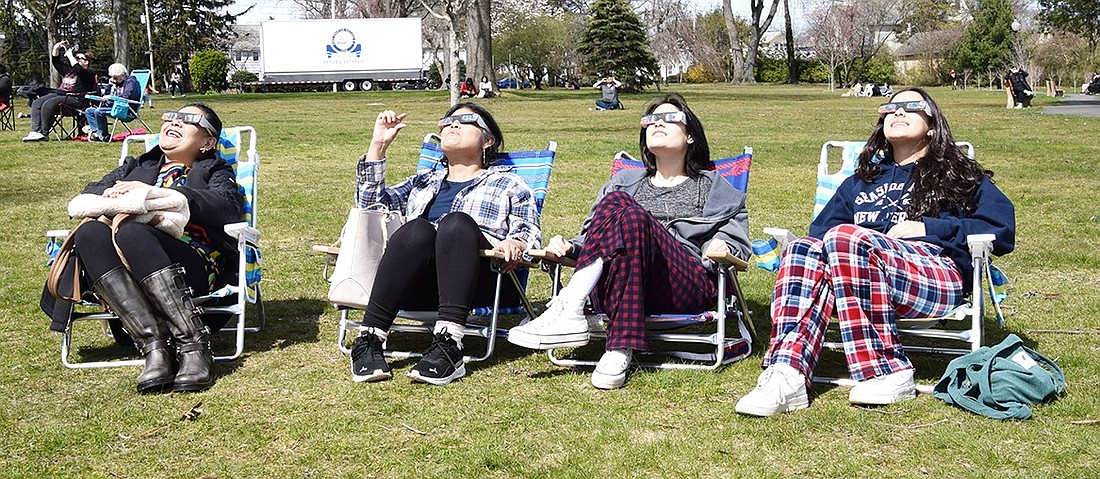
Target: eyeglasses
{"x":669,"y":117}
{"x":191,"y":119}
{"x":82,"y":58}
{"x":907,"y":106}
{"x":465,"y":118}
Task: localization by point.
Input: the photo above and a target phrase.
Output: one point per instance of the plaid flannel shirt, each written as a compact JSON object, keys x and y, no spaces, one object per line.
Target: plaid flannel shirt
{"x":499,"y":201}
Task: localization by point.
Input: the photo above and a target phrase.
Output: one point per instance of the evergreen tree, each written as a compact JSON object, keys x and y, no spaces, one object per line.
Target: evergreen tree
{"x":614,"y":43}
{"x":987,"y":41}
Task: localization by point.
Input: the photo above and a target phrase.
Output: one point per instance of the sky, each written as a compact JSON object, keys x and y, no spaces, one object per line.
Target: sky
{"x":286,"y":10}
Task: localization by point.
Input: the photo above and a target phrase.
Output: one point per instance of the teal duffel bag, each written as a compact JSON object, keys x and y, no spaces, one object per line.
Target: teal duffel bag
{"x":1001,"y":382}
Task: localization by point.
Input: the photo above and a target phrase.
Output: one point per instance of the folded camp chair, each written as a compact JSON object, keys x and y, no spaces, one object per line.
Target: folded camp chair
{"x":960,"y":329}
{"x":125,"y":110}
{"x":682,"y":348}
{"x":233,"y":291}
{"x":534,"y":166}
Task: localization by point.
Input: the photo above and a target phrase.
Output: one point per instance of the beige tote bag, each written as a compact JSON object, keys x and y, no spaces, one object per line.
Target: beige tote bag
{"x":362,"y":242}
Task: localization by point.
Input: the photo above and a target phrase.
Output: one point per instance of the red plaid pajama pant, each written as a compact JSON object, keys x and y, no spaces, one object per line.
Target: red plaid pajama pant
{"x":646,"y":271}
{"x":870,"y":280}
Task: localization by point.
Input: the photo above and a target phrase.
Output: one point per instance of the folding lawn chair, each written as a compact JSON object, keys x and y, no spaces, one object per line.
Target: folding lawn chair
{"x":961,"y":325}
{"x":534,"y":166}
{"x":125,"y":110}
{"x":233,"y":291}
{"x":685,"y":349}
{"x":68,"y":122}
{"x":7,"y":112}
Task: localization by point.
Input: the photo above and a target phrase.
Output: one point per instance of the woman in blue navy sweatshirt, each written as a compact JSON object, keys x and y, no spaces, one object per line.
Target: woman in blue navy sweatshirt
{"x":891,"y":243}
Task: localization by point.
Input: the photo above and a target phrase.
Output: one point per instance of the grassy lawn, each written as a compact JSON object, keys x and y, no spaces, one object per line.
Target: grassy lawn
{"x":289,"y":409}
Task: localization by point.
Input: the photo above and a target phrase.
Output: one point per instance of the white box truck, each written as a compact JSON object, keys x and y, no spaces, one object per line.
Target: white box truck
{"x":349,"y":53}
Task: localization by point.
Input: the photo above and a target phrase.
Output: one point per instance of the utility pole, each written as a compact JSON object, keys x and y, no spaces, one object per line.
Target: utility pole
{"x":149,"y":36}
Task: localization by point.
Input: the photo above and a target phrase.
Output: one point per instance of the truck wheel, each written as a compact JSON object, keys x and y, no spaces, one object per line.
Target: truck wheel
{"x":366,"y":85}
{"x":349,"y":85}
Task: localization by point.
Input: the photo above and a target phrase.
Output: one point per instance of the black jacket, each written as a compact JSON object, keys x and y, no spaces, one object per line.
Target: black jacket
{"x":212,"y":196}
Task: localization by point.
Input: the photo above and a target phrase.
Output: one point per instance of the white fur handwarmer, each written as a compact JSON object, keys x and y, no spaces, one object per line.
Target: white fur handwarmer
{"x":163,"y":208}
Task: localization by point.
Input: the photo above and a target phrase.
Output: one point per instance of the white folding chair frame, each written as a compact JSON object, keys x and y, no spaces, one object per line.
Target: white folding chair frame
{"x":247,"y":237}
{"x":972,"y":310}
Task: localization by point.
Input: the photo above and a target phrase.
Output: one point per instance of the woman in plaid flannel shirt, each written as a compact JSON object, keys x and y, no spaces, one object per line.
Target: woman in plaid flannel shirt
{"x":642,"y":248}
{"x":891,"y":242}
{"x":432,"y":261}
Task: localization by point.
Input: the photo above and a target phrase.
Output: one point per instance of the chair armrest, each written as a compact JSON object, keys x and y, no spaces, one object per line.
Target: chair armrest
{"x":326,"y":249}
{"x":781,"y":235}
{"x":94,"y":97}
{"x":488,"y":253}
{"x":242,"y":230}
{"x":728,"y":258}
{"x":58,"y":234}
{"x":543,"y":256}
{"x":980,"y":245}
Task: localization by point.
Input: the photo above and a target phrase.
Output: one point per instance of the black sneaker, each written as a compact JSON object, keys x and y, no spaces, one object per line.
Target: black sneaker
{"x":442,"y":362}
{"x":367,"y":363}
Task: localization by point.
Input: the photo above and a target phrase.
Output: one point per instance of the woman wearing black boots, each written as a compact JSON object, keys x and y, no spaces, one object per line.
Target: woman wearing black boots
{"x":152,"y":295}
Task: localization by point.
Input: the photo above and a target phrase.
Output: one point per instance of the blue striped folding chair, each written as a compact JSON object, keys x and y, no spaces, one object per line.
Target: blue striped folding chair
{"x":534,"y":166}
{"x":232,"y":293}
{"x":961,"y":325}
{"x":687,"y":341}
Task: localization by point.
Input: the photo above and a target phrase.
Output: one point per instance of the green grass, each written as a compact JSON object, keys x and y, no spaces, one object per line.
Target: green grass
{"x":288,"y":408}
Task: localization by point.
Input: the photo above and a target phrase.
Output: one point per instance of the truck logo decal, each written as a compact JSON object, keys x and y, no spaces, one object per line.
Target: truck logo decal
{"x":344,"y":46}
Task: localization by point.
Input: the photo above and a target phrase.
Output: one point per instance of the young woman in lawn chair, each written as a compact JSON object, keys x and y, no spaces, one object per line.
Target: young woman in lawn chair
{"x":432,"y":261}
{"x":149,"y":274}
{"x":891,"y":243}
{"x":641,"y":249}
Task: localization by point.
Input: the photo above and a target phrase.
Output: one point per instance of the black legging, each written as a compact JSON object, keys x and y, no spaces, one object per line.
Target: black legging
{"x":147,"y":249}
{"x":426,"y":268}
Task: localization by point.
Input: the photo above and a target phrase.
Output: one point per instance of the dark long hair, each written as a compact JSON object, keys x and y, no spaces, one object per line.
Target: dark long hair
{"x":698,"y":152}
{"x":494,"y":130}
{"x":944,"y":179}
{"x":214,"y":120}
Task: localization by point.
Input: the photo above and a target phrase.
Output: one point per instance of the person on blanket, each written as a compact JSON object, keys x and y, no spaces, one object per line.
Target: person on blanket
{"x":432,"y":262}
{"x":147,"y":276}
{"x":890,"y":243}
{"x":642,"y":248}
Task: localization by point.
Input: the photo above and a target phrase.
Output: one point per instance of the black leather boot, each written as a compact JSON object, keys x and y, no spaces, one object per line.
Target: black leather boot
{"x":167,"y":288}
{"x":123,"y":295}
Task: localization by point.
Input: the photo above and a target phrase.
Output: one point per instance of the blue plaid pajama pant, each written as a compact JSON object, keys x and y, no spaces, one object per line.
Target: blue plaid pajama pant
{"x":646,"y":271}
{"x":870,"y":280}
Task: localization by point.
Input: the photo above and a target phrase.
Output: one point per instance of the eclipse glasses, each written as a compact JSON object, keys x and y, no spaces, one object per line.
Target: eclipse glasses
{"x":907,"y":106}
{"x":669,"y":117}
{"x":191,"y":119}
{"x":465,"y":118}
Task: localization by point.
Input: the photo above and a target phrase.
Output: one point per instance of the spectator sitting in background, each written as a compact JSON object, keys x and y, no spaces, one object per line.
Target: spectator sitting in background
{"x":1093,"y":88}
{"x":76,"y":80}
{"x":887,"y":90}
{"x":609,"y":91}
{"x":1021,"y":91}
{"x":123,"y":85}
{"x":466,"y":89}
{"x":5,"y":88}
{"x":869,"y":89}
{"x":485,"y":88}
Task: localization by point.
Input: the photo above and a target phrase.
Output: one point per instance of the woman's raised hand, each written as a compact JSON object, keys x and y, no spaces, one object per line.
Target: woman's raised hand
{"x":386,"y":127}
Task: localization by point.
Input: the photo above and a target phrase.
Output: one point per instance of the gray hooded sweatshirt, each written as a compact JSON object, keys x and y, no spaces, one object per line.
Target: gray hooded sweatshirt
{"x":724,"y":216}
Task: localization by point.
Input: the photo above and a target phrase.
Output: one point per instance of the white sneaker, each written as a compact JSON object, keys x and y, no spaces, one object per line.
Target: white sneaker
{"x":780,"y":388}
{"x":882,"y":390}
{"x":1019,"y":106}
{"x":562,"y":325}
{"x":34,"y":136}
{"x":610,"y":372}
